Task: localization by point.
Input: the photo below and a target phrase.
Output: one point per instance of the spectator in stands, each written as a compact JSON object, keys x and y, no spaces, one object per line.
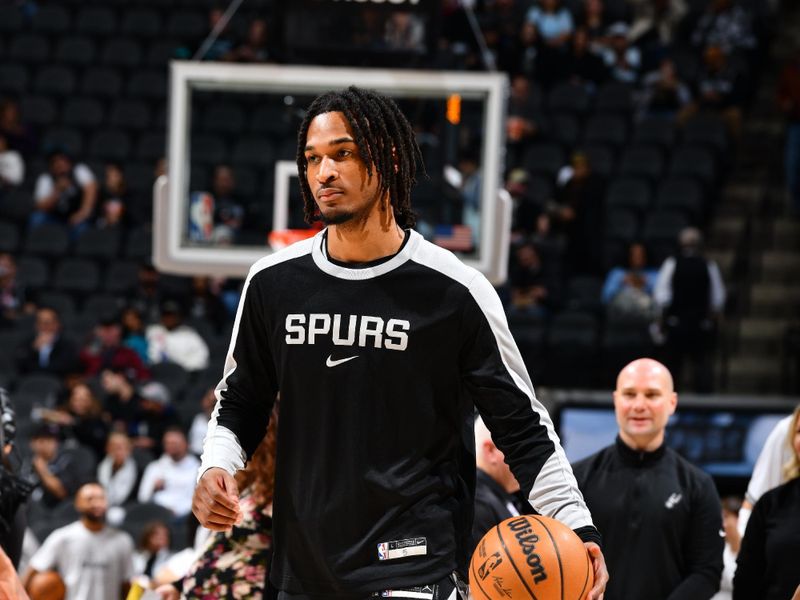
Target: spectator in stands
{"x":580,"y":215}
{"x":154,"y":415}
{"x":524,"y":123}
{"x":659,"y":513}
{"x":228,"y":206}
{"x":147,"y":296}
{"x":584,"y":67}
{"x":206,"y":301}
{"x":222,"y":46}
{"x":81,"y":418}
{"x":235,"y":563}
{"x":719,"y":90}
{"x":404,"y":31}
{"x":554,"y":25}
{"x":48,"y":351}
{"x":117,"y":471}
{"x":121,"y":402}
{"x":726,"y":25}
{"x":13,"y":295}
{"x":12,"y":166}
{"x":65,"y":193}
{"x":691,"y":295}
{"x":789,"y":104}
{"x":623,"y":60}
{"x":655,"y":26}
{"x":106,"y":351}
{"x":153,"y":550}
{"x":767,"y":562}
{"x":170,"y":480}
{"x":254,"y":48}
{"x":497,"y":494}
{"x":94,"y":561}
{"x":172,"y":340}
{"x":19,"y":135}
{"x":664,"y":94}
{"x":54,"y":471}
{"x":133,"y":332}
{"x":533,"y":283}
{"x":733,"y":540}
{"x":628,"y":291}
{"x":114,"y":199}
{"x":199,"y":426}
{"x":595,"y":22}
{"x":522,"y":58}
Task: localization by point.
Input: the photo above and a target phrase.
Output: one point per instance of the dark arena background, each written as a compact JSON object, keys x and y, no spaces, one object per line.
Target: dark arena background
{"x":147,"y":158}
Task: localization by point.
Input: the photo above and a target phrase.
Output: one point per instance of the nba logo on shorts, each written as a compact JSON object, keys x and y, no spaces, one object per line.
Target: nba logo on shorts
{"x":383,"y":551}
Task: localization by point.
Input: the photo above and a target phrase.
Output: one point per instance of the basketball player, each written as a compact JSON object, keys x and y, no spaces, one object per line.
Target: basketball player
{"x":658,"y":513}
{"x":381,"y":345}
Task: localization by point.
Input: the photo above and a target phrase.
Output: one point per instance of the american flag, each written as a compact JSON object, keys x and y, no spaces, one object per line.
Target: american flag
{"x":457,"y":238}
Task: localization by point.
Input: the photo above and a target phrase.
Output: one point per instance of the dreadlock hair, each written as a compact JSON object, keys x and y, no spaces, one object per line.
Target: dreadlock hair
{"x":385,"y":139}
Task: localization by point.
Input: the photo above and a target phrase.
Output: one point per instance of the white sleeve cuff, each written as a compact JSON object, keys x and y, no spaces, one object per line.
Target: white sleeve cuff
{"x":222,"y":449}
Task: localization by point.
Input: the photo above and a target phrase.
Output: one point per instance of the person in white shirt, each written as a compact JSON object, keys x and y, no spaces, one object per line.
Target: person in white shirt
{"x":172,"y":340}
{"x":117,"y":472}
{"x":94,"y":561}
{"x":199,"y":427}
{"x":170,"y":480}
{"x":12,"y":167}
{"x":65,"y":193}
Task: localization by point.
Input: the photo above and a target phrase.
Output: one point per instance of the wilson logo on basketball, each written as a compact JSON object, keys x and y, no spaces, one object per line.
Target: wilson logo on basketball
{"x":527,"y":541}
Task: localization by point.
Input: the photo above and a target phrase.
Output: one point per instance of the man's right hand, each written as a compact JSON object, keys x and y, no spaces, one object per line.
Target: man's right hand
{"x":216,"y":500}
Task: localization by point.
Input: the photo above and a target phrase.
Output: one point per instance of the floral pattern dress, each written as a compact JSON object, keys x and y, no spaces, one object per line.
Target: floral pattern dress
{"x":234,"y":564}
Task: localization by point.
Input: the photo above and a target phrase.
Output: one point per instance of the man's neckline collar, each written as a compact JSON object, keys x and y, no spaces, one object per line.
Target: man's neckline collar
{"x":639,"y":457}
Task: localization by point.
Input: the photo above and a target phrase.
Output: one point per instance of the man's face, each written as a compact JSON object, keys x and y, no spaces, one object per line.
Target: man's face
{"x":91,"y":503}
{"x":47,"y":321}
{"x":643,"y":402}
{"x":110,"y":335}
{"x":60,"y":165}
{"x":174,"y":445}
{"x":45,"y":446}
{"x":118,"y":448}
{"x":337,"y":172}
{"x":224,"y":182}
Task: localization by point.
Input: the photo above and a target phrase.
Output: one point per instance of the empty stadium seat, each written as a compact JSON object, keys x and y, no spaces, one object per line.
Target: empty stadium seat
{"x":51,"y":18}
{"x":606,"y":129}
{"x":29,"y":48}
{"x":122,"y":52}
{"x":601,"y":158}
{"x":658,"y":131}
{"x":96,"y":20}
{"x":615,"y":97}
{"x":544,"y":158}
{"x":151,"y":146}
{"x":101,"y":304}
{"x":142,"y":22}
{"x":9,"y":237}
{"x":139,"y":245}
{"x":694,"y":161}
{"x":39,"y":384}
{"x":76,"y":50}
{"x":76,"y":275}
{"x":148,"y":84}
{"x":101,"y":244}
{"x":224,"y":118}
{"x":568,"y":97}
{"x":255,"y":152}
{"x":565,"y":129}
{"x":55,"y":80}
{"x":172,"y":375}
{"x":82,"y":112}
{"x":130,"y":114}
{"x":110,"y":145}
{"x":621,"y":225}
{"x":682,"y":194}
{"x":208,"y":149}
{"x":706,"y":130}
{"x":49,"y":239}
{"x":642,"y":161}
{"x":583,"y":293}
{"x":122,"y":277}
{"x":629,"y":193}
{"x":14,"y":79}
{"x":101,"y":81}
{"x":187,"y":25}
{"x":33,"y":272}
{"x":11,"y":19}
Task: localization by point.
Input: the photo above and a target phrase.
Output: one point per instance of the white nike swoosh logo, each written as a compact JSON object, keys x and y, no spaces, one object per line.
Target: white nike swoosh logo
{"x":335,"y":363}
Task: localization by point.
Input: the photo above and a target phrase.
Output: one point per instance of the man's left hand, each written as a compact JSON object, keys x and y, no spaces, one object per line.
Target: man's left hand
{"x":600,"y":571}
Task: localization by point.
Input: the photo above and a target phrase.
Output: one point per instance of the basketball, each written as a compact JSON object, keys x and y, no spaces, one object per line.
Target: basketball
{"x":46,"y":585}
{"x":530,"y":556}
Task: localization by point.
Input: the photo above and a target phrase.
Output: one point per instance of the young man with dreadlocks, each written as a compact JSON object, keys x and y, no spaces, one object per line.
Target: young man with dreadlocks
{"x":381,"y":345}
